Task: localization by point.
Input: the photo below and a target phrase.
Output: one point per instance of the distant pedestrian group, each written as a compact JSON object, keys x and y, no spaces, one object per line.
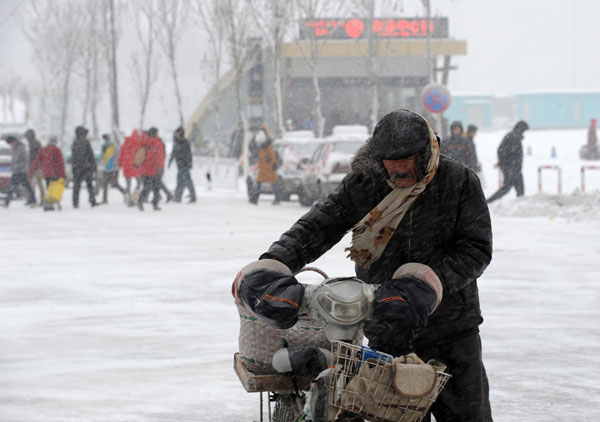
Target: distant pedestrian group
{"x":141,"y":156}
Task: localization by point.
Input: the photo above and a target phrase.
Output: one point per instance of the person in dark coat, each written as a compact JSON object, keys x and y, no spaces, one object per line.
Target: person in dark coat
{"x":83,"y":164}
{"x":35,"y":147}
{"x":182,"y":154}
{"x":422,"y":231}
{"x":153,"y":133}
{"x":470,"y":138}
{"x":19,"y":166}
{"x":458,"y":147}
{"x":510,"y":161}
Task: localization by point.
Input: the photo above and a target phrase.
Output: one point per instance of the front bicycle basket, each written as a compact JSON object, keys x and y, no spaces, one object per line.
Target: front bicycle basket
{"x":381,"y":388}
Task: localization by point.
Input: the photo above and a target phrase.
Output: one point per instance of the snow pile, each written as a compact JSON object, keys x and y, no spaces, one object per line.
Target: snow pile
{"x":576,"y":206}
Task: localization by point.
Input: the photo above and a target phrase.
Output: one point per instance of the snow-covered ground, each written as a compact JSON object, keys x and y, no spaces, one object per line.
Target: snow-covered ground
{"x":110,"y":314}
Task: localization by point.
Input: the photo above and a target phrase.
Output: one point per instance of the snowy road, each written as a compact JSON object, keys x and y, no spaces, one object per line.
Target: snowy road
{"x":110,"y":314}
{"x":115,"y":315}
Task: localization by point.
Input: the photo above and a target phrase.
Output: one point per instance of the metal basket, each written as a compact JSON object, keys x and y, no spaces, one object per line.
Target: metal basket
{"x":370,"y":392}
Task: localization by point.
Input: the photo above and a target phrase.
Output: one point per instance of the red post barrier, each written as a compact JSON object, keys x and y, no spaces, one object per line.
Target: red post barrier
{"x":559,"y":172}
{"x":583,"y":168}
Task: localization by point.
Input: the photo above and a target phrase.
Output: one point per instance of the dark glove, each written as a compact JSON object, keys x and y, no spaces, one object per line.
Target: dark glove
{"x":409,"y":297}
{"x":268,"y":289}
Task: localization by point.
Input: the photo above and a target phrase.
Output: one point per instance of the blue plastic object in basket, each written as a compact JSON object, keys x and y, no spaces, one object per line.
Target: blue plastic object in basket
{"x":368,"y":353}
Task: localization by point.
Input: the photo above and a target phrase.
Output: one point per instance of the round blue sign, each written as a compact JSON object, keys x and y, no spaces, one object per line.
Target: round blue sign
{"x":436,"y":98}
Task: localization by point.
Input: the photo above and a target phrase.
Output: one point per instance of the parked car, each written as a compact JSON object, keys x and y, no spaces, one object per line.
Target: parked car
{"x":294,"y":151}
{"x":328,"y":166}
{"x":5,"y":165}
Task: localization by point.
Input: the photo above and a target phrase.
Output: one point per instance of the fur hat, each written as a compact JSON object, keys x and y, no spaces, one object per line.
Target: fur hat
{"x":400,"y":134}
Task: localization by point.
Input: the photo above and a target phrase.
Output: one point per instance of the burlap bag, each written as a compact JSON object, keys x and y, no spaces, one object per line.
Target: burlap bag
{"x":403,"y":390}
{"x":259,"y":342}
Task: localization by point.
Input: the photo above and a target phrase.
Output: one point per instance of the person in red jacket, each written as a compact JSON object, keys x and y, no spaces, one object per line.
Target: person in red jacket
{"x":154,"y":161}
{"x":125,"y":161}
{"x":52,"y":164}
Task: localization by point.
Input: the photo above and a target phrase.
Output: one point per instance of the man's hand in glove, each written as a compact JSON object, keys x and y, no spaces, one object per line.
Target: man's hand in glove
{"x":408,"y":299}
{"x":268,"y":289}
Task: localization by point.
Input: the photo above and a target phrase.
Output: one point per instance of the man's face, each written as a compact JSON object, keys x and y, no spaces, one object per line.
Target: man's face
{"x":472,"y":133}
{"x":29,"y":135}
{"x":402,"y":172}
{"x":456,"y":130}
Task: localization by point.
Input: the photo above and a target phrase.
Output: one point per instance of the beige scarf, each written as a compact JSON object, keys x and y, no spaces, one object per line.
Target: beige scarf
{"x":371,"y":235}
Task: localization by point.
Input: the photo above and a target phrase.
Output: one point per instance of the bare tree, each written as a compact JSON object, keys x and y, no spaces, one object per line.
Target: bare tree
{"x":273,"y":18}
{"x":110,"y":11}
{"x":54,"y":30}
{"x":369,"y":9}
{"x":144,"y":63}
{"x":173,"y":24}
{"x":311,"y":10}
{"x":89,"y":66}
{"x":211,"y":17}
{"x":237,"y":15}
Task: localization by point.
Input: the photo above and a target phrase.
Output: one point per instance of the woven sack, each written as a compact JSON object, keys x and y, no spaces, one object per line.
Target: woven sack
{"x":259,"y":342}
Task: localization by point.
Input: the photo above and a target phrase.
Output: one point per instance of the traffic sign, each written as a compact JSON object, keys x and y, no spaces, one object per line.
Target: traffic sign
{"x":436,"y":98}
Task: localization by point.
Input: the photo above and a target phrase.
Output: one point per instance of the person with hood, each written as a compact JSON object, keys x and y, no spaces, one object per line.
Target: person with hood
{"x":267,"y":162}
{"x":154,"y":160}
{"x":125,"y":161}
{"x":510,"y":161}
{"x":34,"y":149}
{"x":592,"y":141}
{"x":421,"y":230}
{"x":20,"y":163}
{"x":182,"y":153}
{"x":84,"y":166}
{"x":111,"y":171}
{"x":457,"y":147}
{"x":51,"y":163}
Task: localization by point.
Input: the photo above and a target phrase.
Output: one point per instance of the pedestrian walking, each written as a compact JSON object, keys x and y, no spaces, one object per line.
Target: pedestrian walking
{"x":510,"y":161}
{"x":84,"y":166}
{"x":130,"y":171}
{"x":153,"y":133}
{"x":153,"y":160}
{"x":19,"y":166}
{"x":267,"y":166}
{"x":182,"y":154}
{"x":111,"y":170}
{"x":35,"y":147}
{"x":51,"y":163}
{"x":457,"y":146}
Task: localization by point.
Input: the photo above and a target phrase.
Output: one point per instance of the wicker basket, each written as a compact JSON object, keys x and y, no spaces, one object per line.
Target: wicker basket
{"x":362,"y":383}
{"x":259,"y":342}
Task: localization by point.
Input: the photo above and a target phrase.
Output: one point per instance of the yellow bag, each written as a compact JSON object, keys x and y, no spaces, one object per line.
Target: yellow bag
{"x":55,"y":191}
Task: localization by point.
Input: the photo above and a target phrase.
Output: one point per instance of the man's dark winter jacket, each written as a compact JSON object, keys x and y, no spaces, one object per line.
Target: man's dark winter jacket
{"x":447,"y":228}
{"x":510,"y":152}
{"x":34,"y":149}
{"x":182,"y":153}
{"x":82,"y":157}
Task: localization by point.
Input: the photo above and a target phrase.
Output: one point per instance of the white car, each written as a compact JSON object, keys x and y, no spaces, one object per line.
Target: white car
{"x":328,"y":166}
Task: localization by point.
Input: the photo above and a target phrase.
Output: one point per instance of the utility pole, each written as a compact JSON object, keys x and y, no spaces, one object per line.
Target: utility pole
{"x":430,"y":66}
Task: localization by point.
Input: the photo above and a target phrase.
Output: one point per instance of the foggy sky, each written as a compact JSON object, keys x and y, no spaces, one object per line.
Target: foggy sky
{"x":512,"y":46}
